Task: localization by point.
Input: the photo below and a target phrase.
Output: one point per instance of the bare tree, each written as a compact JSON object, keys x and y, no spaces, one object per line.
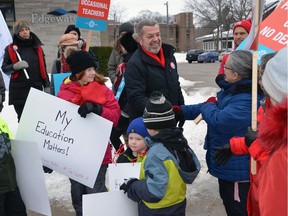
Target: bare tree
{"x":220,"y":13}
{"x":147,"y":14}
{"x":117,"y":12}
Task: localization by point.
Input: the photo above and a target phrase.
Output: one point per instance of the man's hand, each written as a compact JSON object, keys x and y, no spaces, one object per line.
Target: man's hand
{"x":127,"y":183}
{"x":179,"y":117}
{"x":88,"y":107}
{"x":222,"y":154}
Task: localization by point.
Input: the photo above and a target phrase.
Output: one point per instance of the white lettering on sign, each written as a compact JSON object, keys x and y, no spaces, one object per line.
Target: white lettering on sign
{"x":94,"y":4}
{"x":48,"y":19}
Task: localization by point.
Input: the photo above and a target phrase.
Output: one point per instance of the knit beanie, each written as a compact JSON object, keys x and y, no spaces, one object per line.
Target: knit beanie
{"x":274,"y":79}
{"x":246,"y":24}
{"x":72,"y":28}
{"x":137,"y":126}
{"x":158,"y":113}
{"x":68,"y":40}
{"x":80,"y":61}
{"x":128,"y":42}
{"x":126,"y":27}
{"x":19,"y":25}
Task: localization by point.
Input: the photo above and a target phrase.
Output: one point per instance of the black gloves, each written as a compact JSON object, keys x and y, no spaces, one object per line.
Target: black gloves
{"x":222,"y":154}
{"x":125,"y":186}
{"x":47,"y":170}
{"x":250,"y":136}
{"x":88,"y":107}
{"x":179,"y":117}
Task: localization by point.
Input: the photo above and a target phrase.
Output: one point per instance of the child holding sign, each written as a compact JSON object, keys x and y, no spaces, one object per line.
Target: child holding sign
{"x":86,"y":88}
{"x":11,"y":202}
{"x":136,"y":133}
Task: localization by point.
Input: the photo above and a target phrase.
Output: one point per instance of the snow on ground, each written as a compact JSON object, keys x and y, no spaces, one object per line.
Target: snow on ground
{"x":58,"y":186}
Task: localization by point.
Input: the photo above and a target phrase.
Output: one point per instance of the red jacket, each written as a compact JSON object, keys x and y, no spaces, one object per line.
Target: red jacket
{"x":272,"y":190}
{"x":258,"y":153}
{"x":95,"y":93}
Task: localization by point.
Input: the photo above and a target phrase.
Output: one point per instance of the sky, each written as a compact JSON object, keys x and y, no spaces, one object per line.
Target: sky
{"x":58,"y":186}
{"x":133,"y":7}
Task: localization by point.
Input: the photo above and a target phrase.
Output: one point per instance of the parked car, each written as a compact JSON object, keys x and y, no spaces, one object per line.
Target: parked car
{"x":192,"y":55}
{"x":222,"y":54}
{"x":209,"y":56}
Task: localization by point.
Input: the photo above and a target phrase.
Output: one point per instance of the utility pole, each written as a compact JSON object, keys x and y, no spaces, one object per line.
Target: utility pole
{"x":168,"y":36}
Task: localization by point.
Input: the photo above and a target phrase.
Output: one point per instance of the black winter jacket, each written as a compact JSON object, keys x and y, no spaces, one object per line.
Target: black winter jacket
{"x":144,"y":75}
{"x":19,"y":87}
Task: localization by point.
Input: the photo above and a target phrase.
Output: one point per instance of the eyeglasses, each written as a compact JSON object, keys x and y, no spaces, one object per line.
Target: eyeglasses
{"x":227,"y":68}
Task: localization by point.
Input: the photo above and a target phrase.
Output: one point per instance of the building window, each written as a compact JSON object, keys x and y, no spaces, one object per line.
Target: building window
{"x":8,"y":10}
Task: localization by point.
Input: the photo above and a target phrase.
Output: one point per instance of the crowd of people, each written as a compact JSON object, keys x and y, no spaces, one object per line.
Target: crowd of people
{"x":148,"y":111}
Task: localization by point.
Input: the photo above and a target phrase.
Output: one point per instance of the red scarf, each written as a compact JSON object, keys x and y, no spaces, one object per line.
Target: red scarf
{"x":159,"y":58}
{"x":14,"y":59}
{"x":86,"y":93}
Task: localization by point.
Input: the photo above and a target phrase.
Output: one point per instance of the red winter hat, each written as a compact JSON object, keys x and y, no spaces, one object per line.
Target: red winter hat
{"x":246,"y":24}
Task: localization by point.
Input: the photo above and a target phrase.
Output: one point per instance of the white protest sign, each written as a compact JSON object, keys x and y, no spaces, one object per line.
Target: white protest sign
{"x":30,"y":177}
{"x":109,"y":204}
{"x":71,"y":145}
{"x":120,"y":171}
{"x":5,"y":40}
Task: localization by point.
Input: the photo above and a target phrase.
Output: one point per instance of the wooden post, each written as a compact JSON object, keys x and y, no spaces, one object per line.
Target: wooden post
{"x":88,"y":40}
{"x":254,"y":83}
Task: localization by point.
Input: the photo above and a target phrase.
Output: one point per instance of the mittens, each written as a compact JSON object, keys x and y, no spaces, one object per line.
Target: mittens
{"x":88,"y":107}
{"x":212,"y":99}
{"x":20,"y":65}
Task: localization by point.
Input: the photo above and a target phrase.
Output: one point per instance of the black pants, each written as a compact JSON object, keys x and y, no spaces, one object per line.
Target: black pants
{"x":118,"y":131}
{"x":227,"y":192}
{"x":19,"y":109}
{"x":78,"y":189}
{"x":11,"y":204}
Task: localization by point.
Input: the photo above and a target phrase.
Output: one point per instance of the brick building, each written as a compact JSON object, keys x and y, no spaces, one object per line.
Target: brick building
{"x":50,"y":27}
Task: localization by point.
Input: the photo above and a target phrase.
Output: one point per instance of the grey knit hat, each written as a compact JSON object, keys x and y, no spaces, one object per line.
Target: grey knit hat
{"x":19,"y":25}
{"x":158,"y":113}
{"x":275,"y":76}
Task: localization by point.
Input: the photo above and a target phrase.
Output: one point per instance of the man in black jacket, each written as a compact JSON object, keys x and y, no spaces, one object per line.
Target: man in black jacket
{"x":151,"y":68}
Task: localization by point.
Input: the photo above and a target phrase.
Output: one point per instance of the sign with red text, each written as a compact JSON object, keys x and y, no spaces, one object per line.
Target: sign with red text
{"x":93,"y":14}
{"x":273,"y":33}
{"x":71,"y":145}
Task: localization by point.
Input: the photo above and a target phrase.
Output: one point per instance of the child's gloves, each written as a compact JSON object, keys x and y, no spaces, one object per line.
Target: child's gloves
{"x":88,"y":107}
{"x":127,"y":183}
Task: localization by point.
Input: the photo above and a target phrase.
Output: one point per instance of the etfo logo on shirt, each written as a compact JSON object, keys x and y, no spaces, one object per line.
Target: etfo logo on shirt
{"x":172,"y":65}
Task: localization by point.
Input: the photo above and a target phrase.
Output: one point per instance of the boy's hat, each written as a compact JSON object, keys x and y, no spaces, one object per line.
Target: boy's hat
{"x":246,"y":24}
{"x":274,"y":79}
{"x":19,"y":25}
{"x":158,"y":113}
{"x":137,"y":126}
{"x":80,"y":61}
{"x":68,"y":40}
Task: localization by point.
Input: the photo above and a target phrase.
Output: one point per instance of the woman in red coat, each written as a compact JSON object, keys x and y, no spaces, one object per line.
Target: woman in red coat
{"x":86,"y":88}
{"x":272,"y":177}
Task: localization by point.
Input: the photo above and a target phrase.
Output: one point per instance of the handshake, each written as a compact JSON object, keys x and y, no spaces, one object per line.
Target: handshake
{"x":20,"y":65}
